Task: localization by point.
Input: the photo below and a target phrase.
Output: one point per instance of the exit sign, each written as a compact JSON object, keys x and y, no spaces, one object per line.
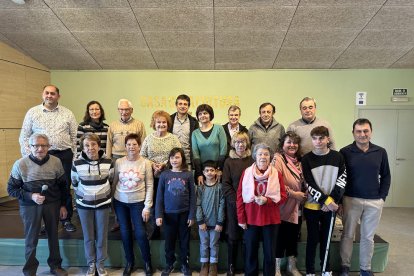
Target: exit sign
{"x":399,"y":92}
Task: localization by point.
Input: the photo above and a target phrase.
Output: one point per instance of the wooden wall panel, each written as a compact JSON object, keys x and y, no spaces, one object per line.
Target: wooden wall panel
{"x":22,"y":80}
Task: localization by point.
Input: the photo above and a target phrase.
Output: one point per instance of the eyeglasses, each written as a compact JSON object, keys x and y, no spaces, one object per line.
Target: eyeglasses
{"x":124,"y":109}
{"x":40,"y":146}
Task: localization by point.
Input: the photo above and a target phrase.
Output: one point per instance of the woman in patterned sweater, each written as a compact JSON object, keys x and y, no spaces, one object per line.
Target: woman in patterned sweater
{"x":156,"y":148}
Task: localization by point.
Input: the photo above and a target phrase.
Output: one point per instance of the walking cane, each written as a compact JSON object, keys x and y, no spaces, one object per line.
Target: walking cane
{"x":328,"y":242}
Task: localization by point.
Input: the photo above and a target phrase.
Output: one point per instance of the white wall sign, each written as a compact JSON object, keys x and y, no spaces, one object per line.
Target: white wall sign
{"x":361,"y":98}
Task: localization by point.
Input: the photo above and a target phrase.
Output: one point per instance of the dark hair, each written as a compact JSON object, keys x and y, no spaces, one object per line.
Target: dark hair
{"x":294,"y":137}
{"x":210,"y":164}
{"x":87,"y":117}
{"x":160,"y":113}
{"x":56,"y":88}
{"x":89,"y":136}
{"x":174,"y":151}
{"x":361,"y":121}
{"x":266,"y":104}
{"x":320,"y":131}
{"x":207,"y":108}
{"x":133,"y":136}
{"x":305,"y":100}
{"x":183,"y":97}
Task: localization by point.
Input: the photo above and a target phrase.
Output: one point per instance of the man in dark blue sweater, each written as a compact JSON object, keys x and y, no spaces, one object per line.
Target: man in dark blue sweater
{"x":369,"y":180}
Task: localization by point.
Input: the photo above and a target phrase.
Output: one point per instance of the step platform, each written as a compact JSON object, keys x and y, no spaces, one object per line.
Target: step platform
{"x":72,"y":250}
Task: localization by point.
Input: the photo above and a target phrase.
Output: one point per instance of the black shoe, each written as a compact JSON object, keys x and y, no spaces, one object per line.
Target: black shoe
{"x":42,"y":230}
{"x":344,"y":270}
{"x":58,"y":271}
{"x":115,"y":227}
{"x":185,"y":269}
{"x":148,"y":269}
{"x":167,"y":270}
{"x":128,"y":269}
{"x":69,"y":227}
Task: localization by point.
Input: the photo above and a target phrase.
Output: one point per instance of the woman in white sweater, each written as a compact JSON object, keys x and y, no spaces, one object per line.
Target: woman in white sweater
{"x":133,"y":200}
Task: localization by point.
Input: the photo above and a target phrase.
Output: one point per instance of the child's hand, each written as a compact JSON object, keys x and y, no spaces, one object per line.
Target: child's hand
{"x":203,"y":227}
{"x":243,"y":225}
{"x":190,"y":222}
{"x":159,"y":221}
{"x":200,"y":180}
{"x":218,"y":228}
{"x":325,"y":208}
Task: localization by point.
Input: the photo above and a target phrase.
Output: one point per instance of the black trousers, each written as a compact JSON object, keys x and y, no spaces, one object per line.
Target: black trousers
{"x":287,"y":240}
{"x":317,"y":223}
{"x":252,"y":237}
{"x":32,"y":220}
{"x":66,"y":157}
{"x":176,"y":225}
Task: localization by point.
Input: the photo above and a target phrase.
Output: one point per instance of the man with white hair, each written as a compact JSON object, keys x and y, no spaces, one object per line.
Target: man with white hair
{"x":38,"y":182}
{"x":118,"y":130}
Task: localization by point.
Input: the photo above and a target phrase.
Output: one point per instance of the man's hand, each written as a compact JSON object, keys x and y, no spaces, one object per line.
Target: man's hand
{"x":190,"y":222}
{"x":158,"y":221}
{"x":63,"y":212}
{"x":333,"y":207}
{"x":38,"y":198}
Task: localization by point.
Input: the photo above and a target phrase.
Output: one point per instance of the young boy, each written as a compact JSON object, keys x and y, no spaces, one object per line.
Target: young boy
{"x":325,"y":175}
{"x":210,"y":218}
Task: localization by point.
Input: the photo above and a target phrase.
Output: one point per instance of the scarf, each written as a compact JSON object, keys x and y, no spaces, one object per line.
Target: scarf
{"x":270,"y":175}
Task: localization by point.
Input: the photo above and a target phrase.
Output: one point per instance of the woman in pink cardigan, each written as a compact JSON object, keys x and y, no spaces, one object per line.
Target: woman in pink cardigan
{"x":287,"y":163}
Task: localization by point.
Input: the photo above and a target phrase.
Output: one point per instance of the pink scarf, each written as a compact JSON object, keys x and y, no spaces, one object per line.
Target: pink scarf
{"x":273,"y":185}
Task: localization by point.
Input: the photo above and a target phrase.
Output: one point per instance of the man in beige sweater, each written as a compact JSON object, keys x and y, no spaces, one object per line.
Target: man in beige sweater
{"x":118,"y":130}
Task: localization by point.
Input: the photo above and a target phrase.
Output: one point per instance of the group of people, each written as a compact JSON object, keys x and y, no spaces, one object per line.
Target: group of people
{"x":254,"y":184}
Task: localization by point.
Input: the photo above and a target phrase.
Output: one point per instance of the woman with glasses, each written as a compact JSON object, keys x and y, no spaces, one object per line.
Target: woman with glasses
{"x":93,"y":123}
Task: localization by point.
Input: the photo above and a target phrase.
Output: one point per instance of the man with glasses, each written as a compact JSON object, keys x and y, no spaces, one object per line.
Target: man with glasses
{"x":118,"y":130}
{"x":60,"y":126}
{"x":38,"y":181}
{"x":304,"y":125}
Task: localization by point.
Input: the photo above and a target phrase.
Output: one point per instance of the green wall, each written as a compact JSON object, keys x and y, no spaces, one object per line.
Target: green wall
{"x":334,"y":91}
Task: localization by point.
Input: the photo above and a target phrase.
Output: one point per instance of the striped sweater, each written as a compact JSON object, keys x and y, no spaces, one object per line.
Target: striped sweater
{"x":91,"y":181}
{"x":90,"y":127}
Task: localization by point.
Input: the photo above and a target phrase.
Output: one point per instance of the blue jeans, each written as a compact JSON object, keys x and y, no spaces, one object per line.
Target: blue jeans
{"x":209,"y":245}
{"x":128,"y":214}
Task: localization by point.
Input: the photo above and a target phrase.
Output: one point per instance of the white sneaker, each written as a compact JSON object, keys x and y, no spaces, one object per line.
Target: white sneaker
{"x":91,"y":270}
{"x":310,"y":274}
{"x":327,"y":273}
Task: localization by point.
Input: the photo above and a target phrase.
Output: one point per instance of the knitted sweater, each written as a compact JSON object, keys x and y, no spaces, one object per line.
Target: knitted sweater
{"x":91,"y":180}
{"x":157,"y":149}
{"x":176,"y":194}
{"x":90,"y":127}
{"x":28,"y":175}
{"x":117,"y":132}
{"x":303,"y":129}
{"x":212,"y":148}
{"x":270,"y":136}
{"x":134,"y":181}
